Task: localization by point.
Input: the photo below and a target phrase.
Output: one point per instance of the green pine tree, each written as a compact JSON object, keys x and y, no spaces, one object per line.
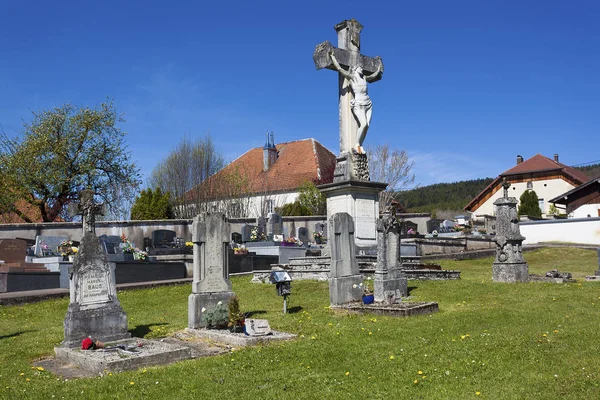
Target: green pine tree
{"x":529,"y":205}
{"x":152,"y":204}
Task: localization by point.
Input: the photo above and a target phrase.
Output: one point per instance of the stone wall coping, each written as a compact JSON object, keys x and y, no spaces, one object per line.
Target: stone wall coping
{"x":560,"y":221}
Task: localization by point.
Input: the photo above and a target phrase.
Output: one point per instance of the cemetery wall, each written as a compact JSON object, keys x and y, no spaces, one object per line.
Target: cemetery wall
{"x":137,"y":230}
{"x":573,"y":230}
{"x":418,"y":218}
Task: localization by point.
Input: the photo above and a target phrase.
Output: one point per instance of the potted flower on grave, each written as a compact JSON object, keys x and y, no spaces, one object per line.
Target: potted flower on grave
{"x":189,"y":247}
{"x":291,"y":241}
{"x":240,"y":249}
{"x":257,"y":237}
{"x":367,"y":287}
{"x":67,"y":250}
{"x":318,"y":235}
{"x":237,"y":319}
{"x":140,"y":255}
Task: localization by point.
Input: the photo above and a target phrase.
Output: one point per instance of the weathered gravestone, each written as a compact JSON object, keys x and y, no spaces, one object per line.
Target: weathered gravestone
{"x":303,"y":235}
{"x":345,"y":281}
{"x":93,"y":309}
{"x":509,"y":265}
{"x":211,"y":284}
{"x":12,"y":250}
{"x":163,"y":238}
{"x":247,"y":233}
{"x":275,"y":225}
{"x":46,"y":246}
{"x":389,"y":280}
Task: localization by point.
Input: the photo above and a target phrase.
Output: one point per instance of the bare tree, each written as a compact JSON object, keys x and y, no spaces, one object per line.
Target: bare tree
{"x":391,"y":166}
{"x":183,"y":170}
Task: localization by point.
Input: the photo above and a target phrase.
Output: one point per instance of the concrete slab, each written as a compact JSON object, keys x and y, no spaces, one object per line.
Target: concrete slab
{"x":142,"y":353}
{"x":223,"y":336}
{"x":404,"y":309}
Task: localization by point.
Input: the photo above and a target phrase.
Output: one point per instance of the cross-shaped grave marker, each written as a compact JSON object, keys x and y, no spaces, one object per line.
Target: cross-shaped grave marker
{"x":348,"y":56}
{"x":88,"y":210}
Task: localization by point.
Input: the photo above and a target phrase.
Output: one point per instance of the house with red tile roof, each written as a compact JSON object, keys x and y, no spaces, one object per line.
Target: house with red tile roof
{"x":547,"y":177}
{"x":582,"y":201}
{"x":262,"y":179}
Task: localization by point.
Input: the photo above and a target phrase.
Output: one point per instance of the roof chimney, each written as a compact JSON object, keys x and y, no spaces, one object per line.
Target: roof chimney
{"x":519,"y":159}
{"x":269,"y":151}
{"x":556,"y":157}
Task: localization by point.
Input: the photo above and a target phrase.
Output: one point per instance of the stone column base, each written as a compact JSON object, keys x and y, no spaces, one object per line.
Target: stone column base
{"x":106,"y":324}
{"x":198,"y":301}
{"x":510,"y":272}
{"x":394,"y":281}
{"x":342,"y":290}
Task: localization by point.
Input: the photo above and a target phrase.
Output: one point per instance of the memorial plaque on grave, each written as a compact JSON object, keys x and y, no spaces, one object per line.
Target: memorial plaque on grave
{"x":433,"y":225}
{"x":257,"y":327}
{"x":13,"y":250}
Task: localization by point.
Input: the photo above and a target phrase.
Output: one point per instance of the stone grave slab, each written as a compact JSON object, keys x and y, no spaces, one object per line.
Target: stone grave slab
{"x":257,"y":327}
{"x":404,"y":309}
{"x":137,"y":353}
{"x":223,"y":336}
{"x":13,"y":250}
{"x":163,"y":238}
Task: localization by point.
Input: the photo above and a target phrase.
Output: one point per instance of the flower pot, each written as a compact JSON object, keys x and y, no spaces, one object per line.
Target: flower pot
{"x":368,"y":298}
{"x":288,"y":244}
{"x":318,"y":240}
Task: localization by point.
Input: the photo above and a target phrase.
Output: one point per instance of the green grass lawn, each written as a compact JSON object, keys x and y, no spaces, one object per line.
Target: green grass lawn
{"x":489,"y":340}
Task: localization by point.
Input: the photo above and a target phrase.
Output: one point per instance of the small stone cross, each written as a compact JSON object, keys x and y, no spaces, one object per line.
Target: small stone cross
{"x":348,"y":56}
{"x":505,"y":186}
{"x":88,"y":210}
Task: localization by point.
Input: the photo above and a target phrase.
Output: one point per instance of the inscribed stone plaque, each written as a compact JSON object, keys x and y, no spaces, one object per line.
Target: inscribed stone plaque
{"x":163,"y":238}
{"x":94,"y":288}
{"x":365,"y":219}
{"x":257,"y":327}
{"x":12,"y":250}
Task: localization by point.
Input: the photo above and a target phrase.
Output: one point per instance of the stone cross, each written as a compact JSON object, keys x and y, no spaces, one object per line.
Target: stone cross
{"x":88,"y":210}
{"x":348,"y":55}
{"x":505,"y":186}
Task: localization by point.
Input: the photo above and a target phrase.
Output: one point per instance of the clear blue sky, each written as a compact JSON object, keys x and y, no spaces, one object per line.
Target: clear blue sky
{"x":468,"y":85}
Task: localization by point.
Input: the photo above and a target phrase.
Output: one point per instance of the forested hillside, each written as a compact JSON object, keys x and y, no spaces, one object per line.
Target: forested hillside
{"x":593,"y":170}
{"x":442,"y":196}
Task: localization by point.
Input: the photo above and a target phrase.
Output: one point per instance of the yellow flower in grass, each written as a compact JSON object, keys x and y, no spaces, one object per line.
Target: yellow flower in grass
{"x":420,"y":372}
{"x":392,"y":357}
{"x":477,"y":393}
{"x":132,"y":383}
{"x":347,"y":373}
{"x":40,"y":368}
{"x":416,"y":381}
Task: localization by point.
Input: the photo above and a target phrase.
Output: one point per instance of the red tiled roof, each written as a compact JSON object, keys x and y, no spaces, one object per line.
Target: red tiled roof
{"x":535,"y":164}
{"x":297,"y":162}
{"x":540,"y":163}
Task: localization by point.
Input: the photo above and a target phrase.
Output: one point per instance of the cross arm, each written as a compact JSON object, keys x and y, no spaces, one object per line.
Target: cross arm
{"x":346,"y":59}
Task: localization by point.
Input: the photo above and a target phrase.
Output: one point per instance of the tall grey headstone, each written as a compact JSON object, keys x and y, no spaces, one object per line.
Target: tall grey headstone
{"x":388,"y":275}
{"x":247,"y":233}
{"x":261,"y":222}
{"x":509,"y":265}
{"x":303,"y":235}
{"x":321,"y":227}
{"x":345,"y":276}
{"x":211,"y":284}
{"x":275,"y":225}
{"x":94,"y":309}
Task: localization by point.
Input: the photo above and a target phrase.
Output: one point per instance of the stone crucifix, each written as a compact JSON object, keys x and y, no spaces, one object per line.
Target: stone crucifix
{"x":88,"y":210}
{"x":355,"y":70}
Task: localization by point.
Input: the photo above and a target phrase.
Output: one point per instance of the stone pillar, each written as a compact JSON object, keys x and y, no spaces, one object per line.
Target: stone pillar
{"x":345,"y":276}
{"x":389,"y":278}
{"x":93,"y":309}
{"x":509,"y":265}
{"x":211,"y":284}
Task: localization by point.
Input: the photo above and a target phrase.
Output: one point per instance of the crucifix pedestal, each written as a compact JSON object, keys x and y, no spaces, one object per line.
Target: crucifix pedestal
{"x":352,"y":191}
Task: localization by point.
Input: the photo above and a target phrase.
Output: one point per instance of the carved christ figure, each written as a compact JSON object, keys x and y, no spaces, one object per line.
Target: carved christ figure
{"x":362,"y":107}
